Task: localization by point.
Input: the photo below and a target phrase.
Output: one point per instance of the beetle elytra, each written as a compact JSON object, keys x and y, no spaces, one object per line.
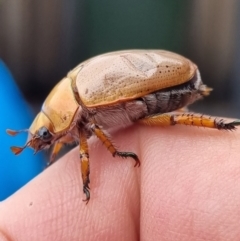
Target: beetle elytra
{"x":113,"y":90}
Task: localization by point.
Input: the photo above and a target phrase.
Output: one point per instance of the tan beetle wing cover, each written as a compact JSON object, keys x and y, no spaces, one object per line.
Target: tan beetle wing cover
{"x":124,"y":75}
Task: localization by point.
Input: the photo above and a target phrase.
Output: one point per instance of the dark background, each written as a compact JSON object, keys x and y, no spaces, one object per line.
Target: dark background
{"x":40,"y":41}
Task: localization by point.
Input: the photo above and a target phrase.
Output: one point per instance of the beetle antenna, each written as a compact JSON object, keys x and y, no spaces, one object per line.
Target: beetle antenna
{"x":14,"y":133}
{"x":17,"y":150}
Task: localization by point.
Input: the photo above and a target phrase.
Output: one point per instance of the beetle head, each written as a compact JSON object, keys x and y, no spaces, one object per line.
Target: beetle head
{"x":54,"y":121}
{"x":40,"y":134}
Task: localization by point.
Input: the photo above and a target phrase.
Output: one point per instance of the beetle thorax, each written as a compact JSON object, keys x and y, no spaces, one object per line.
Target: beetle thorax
{"x":60,"y":106}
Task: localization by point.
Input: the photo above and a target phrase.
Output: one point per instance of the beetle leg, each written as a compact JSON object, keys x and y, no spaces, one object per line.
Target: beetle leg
{"x":58,"y":146}
{"x":56,"y":149}
{"x":191,"y":119}
{"x":109,"y":145}
{"x":84,"y":157}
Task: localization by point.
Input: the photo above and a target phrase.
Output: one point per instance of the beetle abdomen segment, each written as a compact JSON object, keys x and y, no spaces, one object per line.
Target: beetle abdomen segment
{"x":174,"y":98}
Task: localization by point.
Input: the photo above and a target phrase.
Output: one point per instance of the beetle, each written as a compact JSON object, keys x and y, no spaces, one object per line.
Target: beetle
{"x":118,"y":89}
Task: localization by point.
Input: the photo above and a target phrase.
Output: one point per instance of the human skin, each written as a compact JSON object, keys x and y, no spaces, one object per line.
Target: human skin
{"x":187,"y":188}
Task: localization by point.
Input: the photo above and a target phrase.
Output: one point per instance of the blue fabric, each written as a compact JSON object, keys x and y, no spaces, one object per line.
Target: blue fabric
{"x":15,"y":171}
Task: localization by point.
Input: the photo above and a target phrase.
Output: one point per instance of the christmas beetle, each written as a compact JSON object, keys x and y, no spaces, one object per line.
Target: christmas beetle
{"x":114,"y":90}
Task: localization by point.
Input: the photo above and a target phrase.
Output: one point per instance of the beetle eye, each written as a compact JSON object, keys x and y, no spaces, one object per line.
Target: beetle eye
{"x":44,"y":134}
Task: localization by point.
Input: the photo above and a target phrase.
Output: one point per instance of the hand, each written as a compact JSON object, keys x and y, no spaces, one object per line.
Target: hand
{"x":187,"y":188}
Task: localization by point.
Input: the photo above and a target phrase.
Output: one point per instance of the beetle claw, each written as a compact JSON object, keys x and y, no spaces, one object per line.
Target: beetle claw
{"x":129,"y":154}
{"x":87,"y":193}
{"x":235,"y":123}
{"x":221,"y":125}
